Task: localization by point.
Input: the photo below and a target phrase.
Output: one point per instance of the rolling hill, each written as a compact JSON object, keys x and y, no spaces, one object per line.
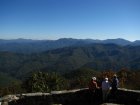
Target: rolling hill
{"x":93,"y":56}
{"x":29,"y":46}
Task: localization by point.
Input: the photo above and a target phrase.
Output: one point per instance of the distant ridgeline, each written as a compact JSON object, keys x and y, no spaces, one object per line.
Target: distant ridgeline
{"x":37,"y":46}
{"x":20,"y":58}
{"x":95,"y":56}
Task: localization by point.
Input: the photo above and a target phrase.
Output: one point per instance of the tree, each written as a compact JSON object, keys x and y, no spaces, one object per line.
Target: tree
{"x":44,"y":82}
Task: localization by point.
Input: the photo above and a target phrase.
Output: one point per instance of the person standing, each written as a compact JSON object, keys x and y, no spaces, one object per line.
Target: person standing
{"x":105,"y":89}
{"x":93,"y":84}
{"x":114,"y":84}
{"x":93,"y":89}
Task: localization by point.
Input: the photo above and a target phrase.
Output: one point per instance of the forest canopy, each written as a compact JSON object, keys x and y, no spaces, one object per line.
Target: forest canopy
{"x":47,"y":82}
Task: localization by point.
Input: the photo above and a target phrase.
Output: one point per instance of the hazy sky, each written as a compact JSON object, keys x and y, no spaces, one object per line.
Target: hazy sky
{"x":53,"y":19}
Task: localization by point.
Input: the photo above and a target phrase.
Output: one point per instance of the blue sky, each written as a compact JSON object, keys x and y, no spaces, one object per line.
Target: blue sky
{"x":81,"y":19}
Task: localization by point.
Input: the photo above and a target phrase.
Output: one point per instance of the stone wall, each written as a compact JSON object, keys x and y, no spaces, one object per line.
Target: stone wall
{"x":71,"y":97}
{"x":129,"y":97}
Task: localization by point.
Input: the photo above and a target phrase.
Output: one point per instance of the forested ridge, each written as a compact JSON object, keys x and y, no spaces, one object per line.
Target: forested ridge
{"x":64,"y":64}
{"x":95,"y":56}
{"x":28,"y":46}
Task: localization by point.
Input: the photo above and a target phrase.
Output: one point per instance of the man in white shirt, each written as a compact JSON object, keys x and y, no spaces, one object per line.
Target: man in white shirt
{"x":105,"y":89}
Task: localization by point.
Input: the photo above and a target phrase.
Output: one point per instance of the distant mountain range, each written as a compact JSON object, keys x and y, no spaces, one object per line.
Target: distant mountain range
{"x":98,"y":57}
{"x":20,"y":57}
{"x":36,"y":46}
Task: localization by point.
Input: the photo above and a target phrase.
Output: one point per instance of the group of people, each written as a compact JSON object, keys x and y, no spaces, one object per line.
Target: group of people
{"x":107,"y":87}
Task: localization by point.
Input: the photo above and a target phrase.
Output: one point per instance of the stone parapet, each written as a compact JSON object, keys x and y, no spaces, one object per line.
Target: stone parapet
{"x":70,"y":97}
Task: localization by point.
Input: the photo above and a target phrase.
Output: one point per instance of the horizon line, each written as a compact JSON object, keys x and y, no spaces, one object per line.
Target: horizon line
{"x":66,"y":38}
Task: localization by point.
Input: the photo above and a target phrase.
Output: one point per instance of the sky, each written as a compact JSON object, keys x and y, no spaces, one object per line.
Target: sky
{"x":80,"y":19}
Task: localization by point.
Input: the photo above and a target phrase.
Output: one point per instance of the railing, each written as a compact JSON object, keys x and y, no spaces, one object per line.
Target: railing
{"x":70,"y":97}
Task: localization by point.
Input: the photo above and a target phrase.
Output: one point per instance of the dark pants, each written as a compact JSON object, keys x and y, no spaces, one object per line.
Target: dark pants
{"x":114,"y":93}
{"x":95,"y":96}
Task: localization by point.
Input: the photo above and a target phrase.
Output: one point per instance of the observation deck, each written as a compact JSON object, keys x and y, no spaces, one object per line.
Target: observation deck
{"x":72,"y":97}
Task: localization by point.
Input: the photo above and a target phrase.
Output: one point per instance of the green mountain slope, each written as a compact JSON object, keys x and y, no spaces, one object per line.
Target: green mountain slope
{"x":6,"y":80}
{"x":93,"y":56}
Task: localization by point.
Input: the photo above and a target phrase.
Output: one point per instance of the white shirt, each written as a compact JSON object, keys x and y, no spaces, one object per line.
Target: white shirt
{"x":105,"y":85}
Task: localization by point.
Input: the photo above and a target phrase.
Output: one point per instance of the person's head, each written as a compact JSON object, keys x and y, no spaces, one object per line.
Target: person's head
{"x":94,"y":78}
{"x":106,"y":79}
{"x":115,"y":76}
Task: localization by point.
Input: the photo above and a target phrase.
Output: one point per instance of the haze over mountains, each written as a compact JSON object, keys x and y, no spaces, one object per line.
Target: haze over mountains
{"x":37,"y":46}
{"x":21,"y":56}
